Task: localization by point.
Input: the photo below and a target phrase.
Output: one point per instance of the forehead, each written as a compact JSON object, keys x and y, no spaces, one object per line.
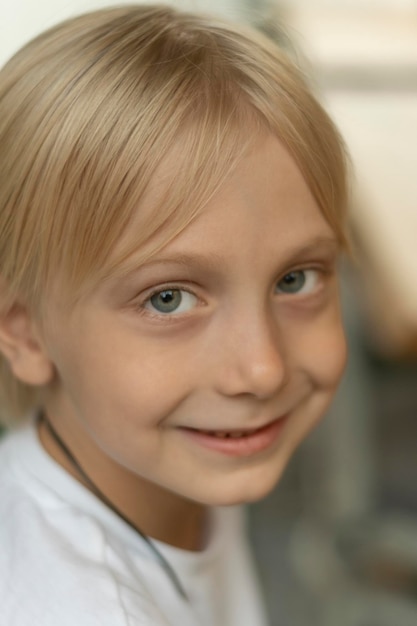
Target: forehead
{"x":264,"y":201}
{"x":262,"y":218}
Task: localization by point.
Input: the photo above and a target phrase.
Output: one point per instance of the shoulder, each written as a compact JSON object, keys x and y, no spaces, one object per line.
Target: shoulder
{"x":56,"y":564}
{"x":53,"y":574}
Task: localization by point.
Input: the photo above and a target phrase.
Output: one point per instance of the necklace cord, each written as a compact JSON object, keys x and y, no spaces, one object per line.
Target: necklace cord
{"x":101,"y":496}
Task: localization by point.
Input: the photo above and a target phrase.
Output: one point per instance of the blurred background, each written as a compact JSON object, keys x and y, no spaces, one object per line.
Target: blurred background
{"x":336,"y":543}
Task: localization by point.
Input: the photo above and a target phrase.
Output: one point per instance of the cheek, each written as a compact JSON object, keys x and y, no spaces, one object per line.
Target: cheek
{"x":332,"y":362}
{"x":322,"y":351}
{"x":123,"y":378}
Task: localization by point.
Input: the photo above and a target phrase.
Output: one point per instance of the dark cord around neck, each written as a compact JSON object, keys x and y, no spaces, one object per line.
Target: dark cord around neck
{"x":101,"y":496}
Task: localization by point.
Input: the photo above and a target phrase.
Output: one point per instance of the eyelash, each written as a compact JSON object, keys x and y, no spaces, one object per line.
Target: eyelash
{"x":143,"y":310}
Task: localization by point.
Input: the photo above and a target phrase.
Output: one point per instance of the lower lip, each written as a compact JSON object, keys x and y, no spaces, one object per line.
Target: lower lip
{"x":258,"y":441}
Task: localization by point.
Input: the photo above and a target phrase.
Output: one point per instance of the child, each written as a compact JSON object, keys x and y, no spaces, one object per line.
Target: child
{"x":172,"y":208}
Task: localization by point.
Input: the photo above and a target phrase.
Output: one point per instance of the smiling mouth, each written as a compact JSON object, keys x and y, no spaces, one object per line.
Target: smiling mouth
{"x":238,"y":443}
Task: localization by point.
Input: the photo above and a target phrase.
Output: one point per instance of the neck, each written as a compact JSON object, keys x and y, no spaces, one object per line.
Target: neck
{"x":158,"y":513}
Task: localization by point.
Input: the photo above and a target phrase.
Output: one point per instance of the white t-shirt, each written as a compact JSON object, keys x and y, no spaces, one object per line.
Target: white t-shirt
{"x":68,"y":560}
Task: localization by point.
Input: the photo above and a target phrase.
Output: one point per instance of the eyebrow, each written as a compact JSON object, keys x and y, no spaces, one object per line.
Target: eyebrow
{"x":198,"y":260}
{"x":321,"y":244}
{"x":206,"y":261}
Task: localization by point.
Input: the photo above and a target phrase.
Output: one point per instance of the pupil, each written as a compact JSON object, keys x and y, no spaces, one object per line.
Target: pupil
{"x":167,"y":297}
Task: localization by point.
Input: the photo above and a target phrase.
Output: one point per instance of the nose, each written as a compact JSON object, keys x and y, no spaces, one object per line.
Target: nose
{"x":252,"y":358}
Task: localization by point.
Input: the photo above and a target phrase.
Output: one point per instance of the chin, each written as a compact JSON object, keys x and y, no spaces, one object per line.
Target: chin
{"x":247,"y":490}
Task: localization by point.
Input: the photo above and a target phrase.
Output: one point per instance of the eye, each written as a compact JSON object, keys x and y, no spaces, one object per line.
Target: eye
{"x":171,"y":301}
{"x":298,"y":282}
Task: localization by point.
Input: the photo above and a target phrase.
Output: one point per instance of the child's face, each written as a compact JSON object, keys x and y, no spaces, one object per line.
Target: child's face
{"x":234,"y":325}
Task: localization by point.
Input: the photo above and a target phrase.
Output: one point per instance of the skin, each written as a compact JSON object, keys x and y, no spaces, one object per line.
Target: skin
{"x":240,"y":352}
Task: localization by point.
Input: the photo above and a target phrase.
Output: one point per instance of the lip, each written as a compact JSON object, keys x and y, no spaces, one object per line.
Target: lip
{"x":257,"y":441}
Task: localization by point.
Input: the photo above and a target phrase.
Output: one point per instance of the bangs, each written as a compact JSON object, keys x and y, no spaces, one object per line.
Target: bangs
{"x":156,"y":191}
{"x":121,"y":125}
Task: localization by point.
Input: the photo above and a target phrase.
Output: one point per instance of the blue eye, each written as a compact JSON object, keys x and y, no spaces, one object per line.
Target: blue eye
{"x":171,"y":301}
{"x":298,"y":281}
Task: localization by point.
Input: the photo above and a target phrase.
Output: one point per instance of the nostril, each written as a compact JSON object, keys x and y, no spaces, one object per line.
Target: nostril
{"x":253,"y":373}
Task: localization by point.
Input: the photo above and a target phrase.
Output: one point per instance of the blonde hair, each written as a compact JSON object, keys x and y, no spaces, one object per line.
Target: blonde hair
{"x":89,"y":109}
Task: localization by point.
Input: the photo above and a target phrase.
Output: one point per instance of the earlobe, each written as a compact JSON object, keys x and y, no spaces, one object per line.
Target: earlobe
{"x":20,"y":345}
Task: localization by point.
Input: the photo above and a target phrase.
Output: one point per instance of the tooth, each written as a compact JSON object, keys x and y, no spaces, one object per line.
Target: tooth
{"x":222,"y":434}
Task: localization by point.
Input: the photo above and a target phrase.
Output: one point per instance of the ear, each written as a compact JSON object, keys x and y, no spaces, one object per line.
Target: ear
{"x":21,"y":346}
